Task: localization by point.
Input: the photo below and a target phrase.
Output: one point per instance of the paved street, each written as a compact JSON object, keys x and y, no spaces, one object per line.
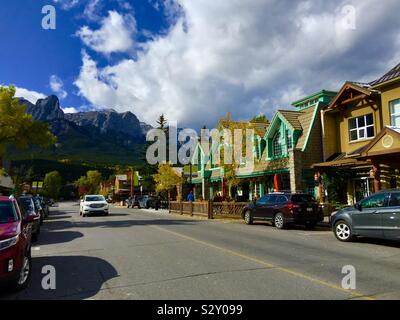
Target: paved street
{"x":143,"y":254}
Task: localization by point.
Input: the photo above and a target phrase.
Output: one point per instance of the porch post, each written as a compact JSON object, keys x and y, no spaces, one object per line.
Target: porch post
{"x":376,"y":174}
{"x":318,"y":180}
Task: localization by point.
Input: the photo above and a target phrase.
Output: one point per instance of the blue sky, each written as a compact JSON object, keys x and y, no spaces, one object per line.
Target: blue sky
{"x":194,"y":60}
{"x":31,"y":55}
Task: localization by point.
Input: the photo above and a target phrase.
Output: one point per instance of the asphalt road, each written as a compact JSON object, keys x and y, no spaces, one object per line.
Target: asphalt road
{"x":143,"y":254}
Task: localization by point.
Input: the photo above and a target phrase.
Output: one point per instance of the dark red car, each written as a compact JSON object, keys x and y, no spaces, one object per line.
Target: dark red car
{"x":15,"y":244}
{"x":283,"y":209}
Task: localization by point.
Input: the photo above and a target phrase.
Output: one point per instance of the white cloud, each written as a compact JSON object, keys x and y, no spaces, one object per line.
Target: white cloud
{"x":246,"y":57}
{"x":31,"y":96}
{"x":70,"y":110}
{"x":56,"y":85}
{"x":66,"y":4}
{"x":115,"y":34}
{"x":91,"y":10}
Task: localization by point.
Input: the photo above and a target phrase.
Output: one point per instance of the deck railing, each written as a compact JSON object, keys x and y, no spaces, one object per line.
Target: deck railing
{"x":208,"y":209}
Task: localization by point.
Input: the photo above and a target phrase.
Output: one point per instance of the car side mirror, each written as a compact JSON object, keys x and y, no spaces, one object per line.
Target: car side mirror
{"x":358,"y":206}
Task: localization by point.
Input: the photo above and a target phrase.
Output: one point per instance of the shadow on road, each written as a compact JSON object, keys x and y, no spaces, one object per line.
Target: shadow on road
{"x":77,"y":277}
{"x":58,"y":237}
{"x":380,"y":242}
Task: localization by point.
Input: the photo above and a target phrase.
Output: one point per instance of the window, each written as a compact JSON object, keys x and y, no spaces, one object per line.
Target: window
{"x":281,"y":199}
{"x":7,"y":212}
{"x":361,"y":127}
{"x":289,"y":139}
{"x":375,"y":201}
{"x":276,"y":144}
{"x":394,"y":200}
{"x":263,"y":200}
{"x":395,"y":113}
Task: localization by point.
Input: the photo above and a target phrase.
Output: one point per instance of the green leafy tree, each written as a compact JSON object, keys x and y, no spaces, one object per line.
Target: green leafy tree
{"x":17,"y":127}
{"x":166,"y":178}
{"x":82,"y":184}
{"x":94,"y":179}
{"x":52,"y":184}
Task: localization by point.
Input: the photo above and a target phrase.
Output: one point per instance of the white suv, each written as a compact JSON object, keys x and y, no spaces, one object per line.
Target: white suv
{"x":93,"y":204}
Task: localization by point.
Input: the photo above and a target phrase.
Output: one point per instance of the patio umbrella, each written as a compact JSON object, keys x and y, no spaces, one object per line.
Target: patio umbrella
{"x":277,"y":182}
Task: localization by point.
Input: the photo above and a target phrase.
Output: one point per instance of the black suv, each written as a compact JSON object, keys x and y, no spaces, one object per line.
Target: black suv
{"x":283,"y":209}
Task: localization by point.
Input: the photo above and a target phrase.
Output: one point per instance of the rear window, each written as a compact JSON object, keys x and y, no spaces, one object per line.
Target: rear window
{"x":7,"y":213}
{"x":302,"y":198}
{"x":27,"y":204}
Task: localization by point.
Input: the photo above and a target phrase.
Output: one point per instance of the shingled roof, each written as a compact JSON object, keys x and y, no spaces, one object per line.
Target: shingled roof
{"x":392,"y":74}
{"x":292,"y":117}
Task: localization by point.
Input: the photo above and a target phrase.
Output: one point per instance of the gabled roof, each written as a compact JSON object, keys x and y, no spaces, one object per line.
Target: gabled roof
{"x":298,"y":121}
{"x":306,"y":120}
{"x":363,"y":89}
{"x":363,"y":152}
{"x":292,"y":117}
{"x":389,"y":76}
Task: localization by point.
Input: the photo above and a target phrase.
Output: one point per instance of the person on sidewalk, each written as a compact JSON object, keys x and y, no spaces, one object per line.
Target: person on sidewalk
{"x":190,"y":197}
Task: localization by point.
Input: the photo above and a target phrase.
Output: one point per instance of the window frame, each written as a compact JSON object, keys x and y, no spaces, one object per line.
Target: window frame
{"x":277,"y":145}
{"x":364,"y":128}
{"x":393,"y":114}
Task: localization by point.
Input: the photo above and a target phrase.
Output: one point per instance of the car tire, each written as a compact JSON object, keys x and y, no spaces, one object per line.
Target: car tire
{"x":25,"y":273}
{"x":342,"y":231}
{"x":248,"y":219}
{"x":279,"y":221}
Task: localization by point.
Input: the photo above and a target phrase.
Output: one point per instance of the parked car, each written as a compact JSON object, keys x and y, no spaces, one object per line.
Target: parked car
{"x":45,"y":203}
{"x":39,"y":208}
{"x":15,"y":244}
{"x":27,"y":205}
{"x":93,"y":204}
{"x":377,"y":216}
{"x":148,"y":202}
{"x":133,"y":201}
{"x":283,"y":209}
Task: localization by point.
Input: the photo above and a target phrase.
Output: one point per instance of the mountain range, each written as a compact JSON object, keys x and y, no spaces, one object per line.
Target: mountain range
{"x":103,"y":136}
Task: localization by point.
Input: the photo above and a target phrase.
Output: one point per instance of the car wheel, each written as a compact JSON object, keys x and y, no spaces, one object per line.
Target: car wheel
{"x":279,"y":221}
{"x":248,"y":219}
{"x":25,"y":274}
{"x":343,"y":231}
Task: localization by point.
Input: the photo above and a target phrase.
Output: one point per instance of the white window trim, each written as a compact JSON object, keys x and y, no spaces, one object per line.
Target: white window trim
{"x":394,"y":114}
{"x":364,"y":128}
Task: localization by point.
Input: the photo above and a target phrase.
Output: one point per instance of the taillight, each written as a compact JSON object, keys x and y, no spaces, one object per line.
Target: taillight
{"x":292,"y":205}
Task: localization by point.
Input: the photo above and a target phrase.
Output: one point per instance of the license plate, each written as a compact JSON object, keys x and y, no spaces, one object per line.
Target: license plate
{"x":309,"y":209}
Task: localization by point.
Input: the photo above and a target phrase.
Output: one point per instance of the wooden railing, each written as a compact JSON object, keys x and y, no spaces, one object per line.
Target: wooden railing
{"x":208,"y":209}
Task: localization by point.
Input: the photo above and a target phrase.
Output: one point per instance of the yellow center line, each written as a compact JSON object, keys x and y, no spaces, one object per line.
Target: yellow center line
{"x":353,"y":293}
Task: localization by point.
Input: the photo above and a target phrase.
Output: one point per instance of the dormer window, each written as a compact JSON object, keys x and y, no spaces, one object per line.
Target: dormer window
{"x":276,"y":145}
{"x":289,"y":139}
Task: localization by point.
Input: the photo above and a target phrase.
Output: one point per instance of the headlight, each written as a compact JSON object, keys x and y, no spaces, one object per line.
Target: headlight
{"x":4,"y":244}
{"x":333,"y":213}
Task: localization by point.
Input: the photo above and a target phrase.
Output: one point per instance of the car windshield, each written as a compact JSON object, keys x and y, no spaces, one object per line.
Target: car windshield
{"x":27,"y":204}
{"x":94,"y":198}
{"x":7,"y":213}
{"x":301,"y":198}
